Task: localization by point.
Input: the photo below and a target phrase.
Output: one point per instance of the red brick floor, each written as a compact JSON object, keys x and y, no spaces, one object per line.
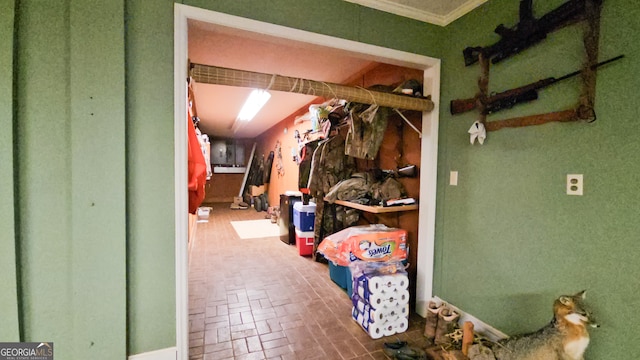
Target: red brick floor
{"x":258,"y":299}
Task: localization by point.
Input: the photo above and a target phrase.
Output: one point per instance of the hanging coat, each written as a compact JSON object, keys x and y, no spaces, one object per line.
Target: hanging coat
{"x":197,"y":168}
{"x":329,"y":165}
{"x":368,"y":124}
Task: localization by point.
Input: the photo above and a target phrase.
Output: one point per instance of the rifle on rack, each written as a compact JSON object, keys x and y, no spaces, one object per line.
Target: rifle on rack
{"x":528,"y":32}
{"x":509,"y":98}
{"x":405,"y":171}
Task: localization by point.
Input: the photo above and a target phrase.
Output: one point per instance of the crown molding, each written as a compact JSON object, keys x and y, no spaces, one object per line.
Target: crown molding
{"x":462,"y":10}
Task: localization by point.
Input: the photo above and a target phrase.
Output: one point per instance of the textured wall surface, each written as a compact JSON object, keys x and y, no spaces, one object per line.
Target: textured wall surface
{"x":94,"y":199}
{"x":69,"y":173}
{"x":509,"y":240}
{"x":88,"y":93}
{"x":9,"y":296}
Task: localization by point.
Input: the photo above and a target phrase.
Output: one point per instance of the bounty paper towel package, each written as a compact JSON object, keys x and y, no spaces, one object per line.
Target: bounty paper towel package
{"x":380,"y":298}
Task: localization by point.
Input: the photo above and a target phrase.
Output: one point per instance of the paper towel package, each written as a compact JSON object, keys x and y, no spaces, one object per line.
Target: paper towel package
{"x":381,"y":303}
{"x":375,"y":243}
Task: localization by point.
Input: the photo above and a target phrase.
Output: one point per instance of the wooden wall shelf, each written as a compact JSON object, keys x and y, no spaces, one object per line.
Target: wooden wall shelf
{"x":377,"y":209}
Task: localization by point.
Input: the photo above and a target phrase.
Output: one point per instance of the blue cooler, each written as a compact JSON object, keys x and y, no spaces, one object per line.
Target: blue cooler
{"x":304,"y":216}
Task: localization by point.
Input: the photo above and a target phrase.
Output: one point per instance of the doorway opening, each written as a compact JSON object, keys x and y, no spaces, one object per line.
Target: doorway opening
{"x":429,"y":142}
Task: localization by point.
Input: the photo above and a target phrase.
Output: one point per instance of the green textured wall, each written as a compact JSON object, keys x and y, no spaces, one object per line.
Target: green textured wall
{"x":150,"y":173}
{"x":69,"y":173}
{"x":70,"y":141}
{"x":509,"y":240}
{"x":86,"y":180}
{"x":98,"y":188}
{"x":92,"y":229}
{"x":43,"y":169}
{"x":9,"y":331}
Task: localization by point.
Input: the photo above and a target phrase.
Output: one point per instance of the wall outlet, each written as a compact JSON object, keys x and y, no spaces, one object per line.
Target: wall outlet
{"x":453,"y":178}
{"x":575,"y":185}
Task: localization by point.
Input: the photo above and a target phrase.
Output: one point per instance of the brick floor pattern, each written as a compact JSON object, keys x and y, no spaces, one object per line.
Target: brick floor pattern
{"x":258,"y":299}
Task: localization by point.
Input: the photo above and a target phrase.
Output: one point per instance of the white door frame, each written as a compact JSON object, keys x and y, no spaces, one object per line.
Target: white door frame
{"x":428,"y":162}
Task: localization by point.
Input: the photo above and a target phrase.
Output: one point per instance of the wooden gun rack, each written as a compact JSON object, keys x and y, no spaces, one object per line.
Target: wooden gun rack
{"x":584,"y":110}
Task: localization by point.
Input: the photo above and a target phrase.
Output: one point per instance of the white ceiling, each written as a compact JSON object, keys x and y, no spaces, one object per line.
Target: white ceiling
{"x":215,"y":45}
{"x":218,"y":105}
{"x":438,"y":12}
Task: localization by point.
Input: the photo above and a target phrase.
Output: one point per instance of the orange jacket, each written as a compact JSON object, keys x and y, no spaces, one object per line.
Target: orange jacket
{"x":197,"y":170}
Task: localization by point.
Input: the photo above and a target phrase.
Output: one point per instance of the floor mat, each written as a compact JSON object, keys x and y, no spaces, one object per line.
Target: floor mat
{"x":251,"y":229}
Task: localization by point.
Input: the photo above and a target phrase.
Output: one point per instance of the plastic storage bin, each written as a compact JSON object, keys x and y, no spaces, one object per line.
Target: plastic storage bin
{"x":304,"y":242}
{"x":341,"y":275}
{"x":304,"y":216}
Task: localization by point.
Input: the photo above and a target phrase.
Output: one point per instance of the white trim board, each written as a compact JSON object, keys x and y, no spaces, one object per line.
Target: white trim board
{"x":429,"y":154}
{"x":163,"y":354}
{"x":479,"y":326}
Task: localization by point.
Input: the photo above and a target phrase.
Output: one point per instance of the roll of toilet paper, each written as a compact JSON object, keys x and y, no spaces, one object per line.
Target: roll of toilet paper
{"x":404,"y":311}
{"x":401,"y":325}
{"x":401,"y":281}
{"x":377,"y":300}
{"x":395,"y":282}
{"x":388,"y":282}
{"x":375,"y":331}
{"x":386,"y":315}
{"x":389,"y":329}
{"x":401,"y":309}
{"x":360,"y":306}
{"x":398,"y":297}
{"x":377,"y":316}
{"x":383,"y":315}
{"x":375,"y":284}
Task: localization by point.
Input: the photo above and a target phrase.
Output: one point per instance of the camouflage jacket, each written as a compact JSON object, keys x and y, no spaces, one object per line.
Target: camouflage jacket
{"x":368,"y":124}
{"x":329,"y":165}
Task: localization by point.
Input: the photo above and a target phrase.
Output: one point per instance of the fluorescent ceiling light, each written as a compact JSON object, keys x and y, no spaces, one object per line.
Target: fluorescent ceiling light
{"x":254,"y":103}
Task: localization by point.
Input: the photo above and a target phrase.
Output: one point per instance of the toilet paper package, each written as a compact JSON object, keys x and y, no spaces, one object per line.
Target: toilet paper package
{"x":380,"y":301}
{"x":381,"y":314}
{"x":383,"y":321}
{"x":373,"y":281}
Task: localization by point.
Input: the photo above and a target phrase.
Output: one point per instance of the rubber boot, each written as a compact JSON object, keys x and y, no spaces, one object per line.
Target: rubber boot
{"x":432,"y":320}
{"x":447,"y":320}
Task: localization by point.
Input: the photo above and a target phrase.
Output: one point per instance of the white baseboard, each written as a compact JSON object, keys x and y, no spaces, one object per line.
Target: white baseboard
{"x":479,"y":326}
{"x":163,"y":354}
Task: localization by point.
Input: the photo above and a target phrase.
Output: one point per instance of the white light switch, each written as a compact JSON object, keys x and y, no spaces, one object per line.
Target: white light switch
{"x":453,"y":178}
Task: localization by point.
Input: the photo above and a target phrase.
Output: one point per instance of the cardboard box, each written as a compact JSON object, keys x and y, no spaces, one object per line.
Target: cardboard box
{"x":257,"y":190}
